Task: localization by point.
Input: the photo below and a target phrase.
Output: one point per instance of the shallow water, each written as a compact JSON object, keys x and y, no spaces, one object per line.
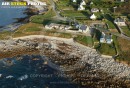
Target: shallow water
{"x":7,"y":14}
{"x":30,"y":72}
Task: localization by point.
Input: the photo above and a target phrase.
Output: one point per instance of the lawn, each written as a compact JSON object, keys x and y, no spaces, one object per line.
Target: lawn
{"x":126,"y":30}
{"x":43,"y":17}
{"x":85,"y":40}
{"x":71,"y":13}
{"x":124,"y":46}
{"x":103,"y":48}
{"x":37,"y":29}
{"x":55,"y":33}
{"x":107,"y":49}
{"x":33,"y":29}
{"x":64,"y":4}
{"x":30,"y":27}
{"x":110,"y":24}
{"x":109,"y":20}
{"x":5,"y":35}
{"x":99,"y":15}
{"x":65,"y":35}
{"x":76,"y":14}
{"x":116,"y":42}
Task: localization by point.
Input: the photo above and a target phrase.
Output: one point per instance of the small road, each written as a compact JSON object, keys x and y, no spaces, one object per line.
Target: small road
{"x":119,"y":35}
{"x":123,"y":34}
{"x":58,"y":16}
{"x":125,"y":37}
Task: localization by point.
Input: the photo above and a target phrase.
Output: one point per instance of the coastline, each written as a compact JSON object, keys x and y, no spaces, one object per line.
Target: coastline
{"x":68,"y":56}
{"x":60,"y":48}
{"x":11,"y":27}
{"x":33,"y":43}
{"x":21,"y":21}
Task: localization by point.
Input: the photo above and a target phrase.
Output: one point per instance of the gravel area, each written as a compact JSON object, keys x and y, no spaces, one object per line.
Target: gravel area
{"x":86,"y":54}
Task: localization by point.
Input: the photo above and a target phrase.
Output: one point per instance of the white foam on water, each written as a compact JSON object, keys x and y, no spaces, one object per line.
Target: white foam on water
{"x":23,"y":77}
{"x":0,"y":75}
{"x":9,"y":77}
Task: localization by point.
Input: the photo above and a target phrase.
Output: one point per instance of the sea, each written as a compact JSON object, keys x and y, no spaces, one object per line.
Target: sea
{"x":8,"y":14}
{"x":22,"y":71}
{"x":30,"y":71}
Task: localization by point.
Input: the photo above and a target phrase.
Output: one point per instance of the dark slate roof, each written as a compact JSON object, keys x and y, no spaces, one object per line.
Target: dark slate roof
{"x":76,"y":23}
{"x":119,"y":20}
{"x":83,"y":27}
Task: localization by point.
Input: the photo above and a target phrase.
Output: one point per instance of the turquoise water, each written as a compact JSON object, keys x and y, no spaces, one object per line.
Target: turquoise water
{"x":7,"y":14}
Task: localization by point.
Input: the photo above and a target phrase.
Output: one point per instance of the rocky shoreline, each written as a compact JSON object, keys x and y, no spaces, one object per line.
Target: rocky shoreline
{"x":71,"y":58}
{"x":30,"y":11}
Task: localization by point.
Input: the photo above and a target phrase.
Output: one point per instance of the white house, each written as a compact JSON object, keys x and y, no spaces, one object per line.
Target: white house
{"x":76,"y":25}
{"x":55,"y":26}
{"x":93,"y":17}
{"x":83,"y":2}
{"x":48,"y":27}
{"x":62,"y":27}
{"x":106,"y":38}
{"x":91,"y":3}
{"x":83,"y":28}
{"x":74,"y":0}
{"x":121,"y":0}
{"x":67,"y":27}
{"x":81,"y":7}
{"x":58,"y":26}
{"x":94,"y":10}
{"x":120,"y":22}
{"x":109,"y":39}
{"x":52,"y":26}
{"x":102,"y":38}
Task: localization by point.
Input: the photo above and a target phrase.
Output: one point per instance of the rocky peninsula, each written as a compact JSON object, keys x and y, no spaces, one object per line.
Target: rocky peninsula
{"x":80,"y":63}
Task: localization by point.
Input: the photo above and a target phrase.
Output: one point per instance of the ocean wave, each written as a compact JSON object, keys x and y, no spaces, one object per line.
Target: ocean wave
{"x":23,"y":77}
{"x":9,"y":77}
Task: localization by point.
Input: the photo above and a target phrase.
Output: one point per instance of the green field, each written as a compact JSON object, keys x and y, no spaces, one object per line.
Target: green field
{"x":85,"y":40}
{"x":42,"y":18}
{"x":71,"y":13}
{"x":117,"y":46}
{"x":99,"y":15}
{"x":55,"y":33}
{"x":126,"y":30}
{"x":64,"y":4}
{"x":110,"y":24}
{"x":107,"y":49}
{"x":103,"y":48}
{"x":5,"y":34}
